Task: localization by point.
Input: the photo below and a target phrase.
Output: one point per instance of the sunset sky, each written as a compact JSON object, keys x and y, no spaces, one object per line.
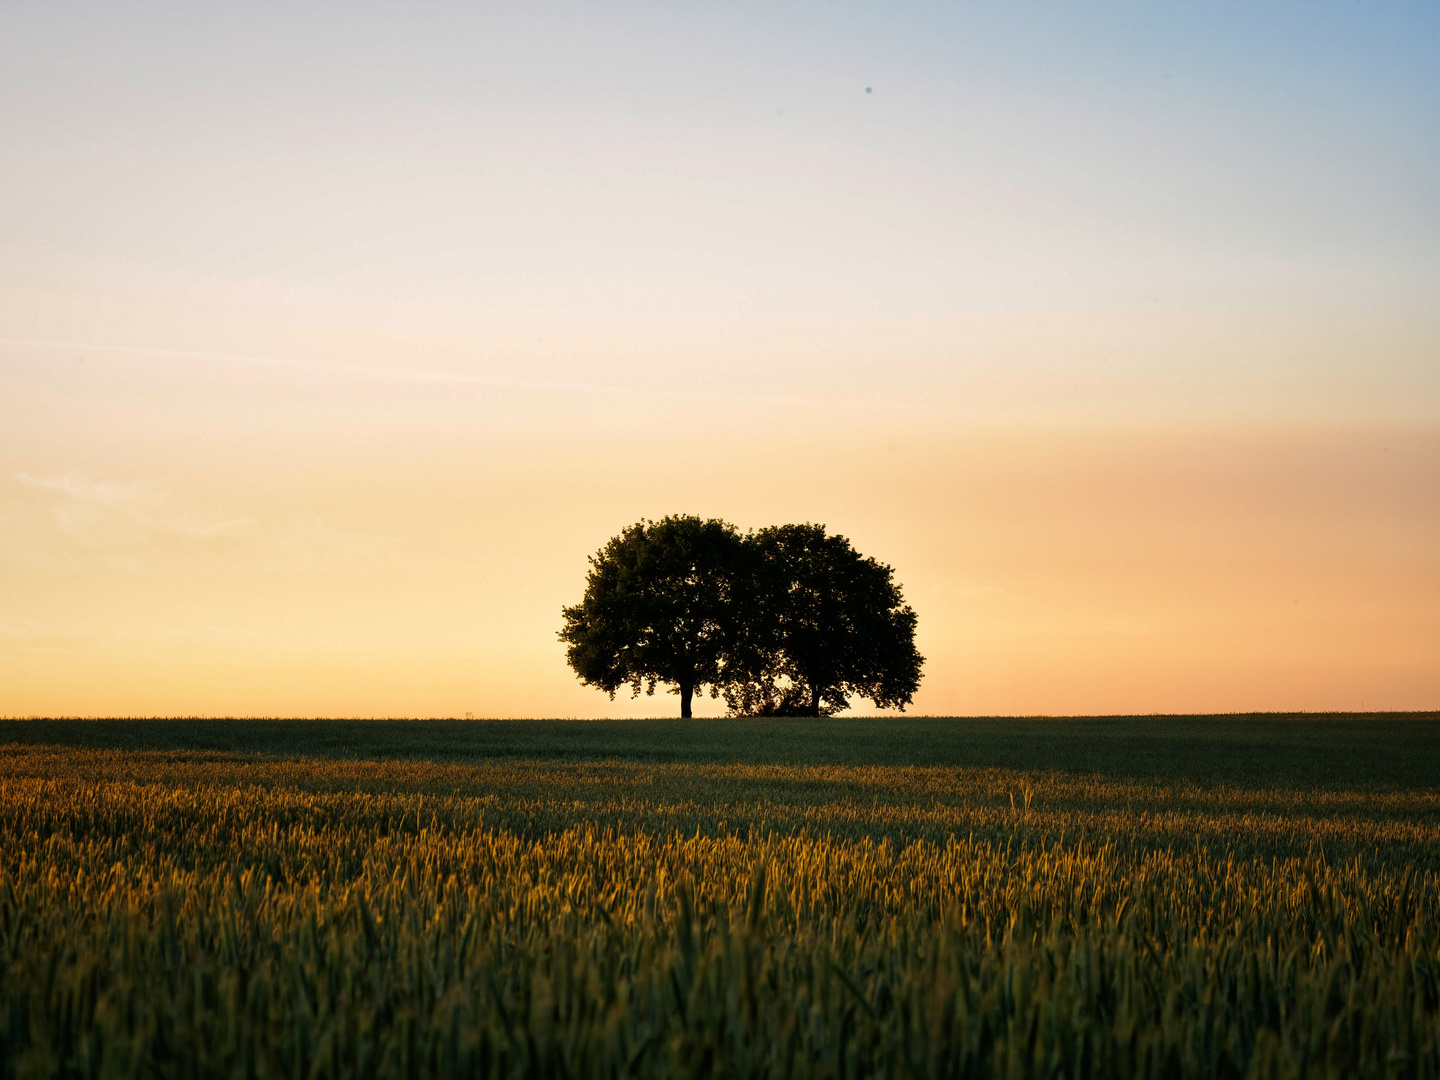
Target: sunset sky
{"x":335,"y":338}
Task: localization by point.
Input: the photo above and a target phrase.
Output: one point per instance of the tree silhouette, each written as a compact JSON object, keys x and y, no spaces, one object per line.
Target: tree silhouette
{"x":662,"y":604}
{"x":787,"y":621}
{"x":827,"y":623}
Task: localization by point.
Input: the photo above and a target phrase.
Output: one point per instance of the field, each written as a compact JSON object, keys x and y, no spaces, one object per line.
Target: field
{"x":1164,"y":896}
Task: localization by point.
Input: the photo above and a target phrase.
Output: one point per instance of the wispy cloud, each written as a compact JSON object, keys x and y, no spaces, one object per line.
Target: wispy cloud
{"x":105,"y":492}
{"x":135,"y":523}
{"x":634,"y":386}
{"x":93,"y":510}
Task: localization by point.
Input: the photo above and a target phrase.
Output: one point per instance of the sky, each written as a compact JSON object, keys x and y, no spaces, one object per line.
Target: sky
{"x":334,"y":339}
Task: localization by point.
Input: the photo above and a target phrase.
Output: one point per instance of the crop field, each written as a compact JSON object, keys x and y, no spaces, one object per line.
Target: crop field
{"x":1166,"y":897}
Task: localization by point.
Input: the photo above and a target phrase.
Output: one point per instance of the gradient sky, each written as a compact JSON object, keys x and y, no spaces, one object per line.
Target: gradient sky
{"x":334,"y":339}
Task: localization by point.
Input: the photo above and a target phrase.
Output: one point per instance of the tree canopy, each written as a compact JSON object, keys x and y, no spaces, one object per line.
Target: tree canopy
{"x":786,"y":621}
{"x":659,"y":607}
{"x":835,"y":625}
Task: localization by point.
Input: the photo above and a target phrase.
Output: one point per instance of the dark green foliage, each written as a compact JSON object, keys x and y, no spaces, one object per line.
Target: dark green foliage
{"x":785,"y":622}
{"x":660,"y":607}
{"x":836,"y":626}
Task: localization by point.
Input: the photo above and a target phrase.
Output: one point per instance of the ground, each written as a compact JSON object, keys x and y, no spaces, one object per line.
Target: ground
{"x":1194,"y":896}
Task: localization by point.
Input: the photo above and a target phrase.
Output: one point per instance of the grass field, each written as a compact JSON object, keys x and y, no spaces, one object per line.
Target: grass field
{"x":1167,"y":896}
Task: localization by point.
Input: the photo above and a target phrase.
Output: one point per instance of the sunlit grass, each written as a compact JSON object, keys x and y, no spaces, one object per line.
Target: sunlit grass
{"x":204,"y":913}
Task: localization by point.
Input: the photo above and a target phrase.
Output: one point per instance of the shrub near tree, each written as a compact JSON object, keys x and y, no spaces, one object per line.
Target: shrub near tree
{"x":784,"y":622}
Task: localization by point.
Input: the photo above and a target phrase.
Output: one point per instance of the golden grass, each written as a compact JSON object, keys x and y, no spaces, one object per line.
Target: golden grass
{"x":196,"y":914}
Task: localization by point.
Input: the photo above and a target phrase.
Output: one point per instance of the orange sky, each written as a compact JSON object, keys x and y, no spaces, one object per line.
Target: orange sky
{"x":326,"y":545}
{"x":331,"y":347}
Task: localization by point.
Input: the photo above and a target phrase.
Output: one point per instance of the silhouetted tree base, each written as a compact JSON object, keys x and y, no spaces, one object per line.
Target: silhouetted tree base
{"x":794,"y":701}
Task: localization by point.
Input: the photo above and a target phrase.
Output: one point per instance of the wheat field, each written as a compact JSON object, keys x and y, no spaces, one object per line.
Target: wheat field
{"x":278,"y":912}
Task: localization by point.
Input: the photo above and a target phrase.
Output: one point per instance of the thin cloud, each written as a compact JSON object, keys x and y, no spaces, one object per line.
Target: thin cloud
{"x":402,"y":377}
{"x":79,"y":486}
{"x":90,"y":508}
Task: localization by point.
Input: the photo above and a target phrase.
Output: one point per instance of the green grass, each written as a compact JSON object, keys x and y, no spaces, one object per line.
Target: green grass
{"x":1159,"y":896}
{"x":1386,"y":751}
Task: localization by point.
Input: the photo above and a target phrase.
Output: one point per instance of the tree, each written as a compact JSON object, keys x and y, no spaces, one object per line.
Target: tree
{"x":830,"y":624}
{"x":661,"y":606}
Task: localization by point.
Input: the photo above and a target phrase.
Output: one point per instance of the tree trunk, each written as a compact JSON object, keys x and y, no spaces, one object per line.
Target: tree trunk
{"x":815,"y":701}
{"x":686,"y":693}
